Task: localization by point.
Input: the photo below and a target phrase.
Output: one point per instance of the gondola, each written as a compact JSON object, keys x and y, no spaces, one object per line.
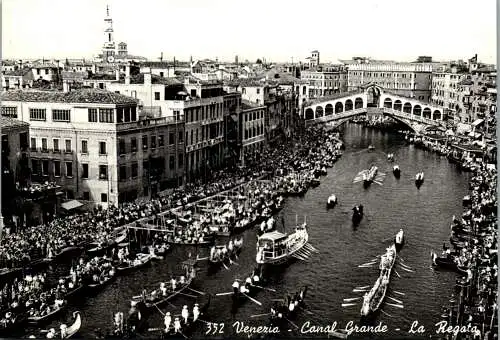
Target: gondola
{"x":448,"y":263}
{"x":246,"y":290}
{"x":396,"y":171}
{"x":142,"y":260}
{"x":331,"y":202}
{"x":357,"y":214}
{"x":282,"y":314}
{"x":419,"y":179}
{"x":95,"y":286}
{"x":56,"y":309}
{"x":186,"y":328}
{"x":216,"y":262}
{"x":66,"y":332}
{"x":156,"y":299}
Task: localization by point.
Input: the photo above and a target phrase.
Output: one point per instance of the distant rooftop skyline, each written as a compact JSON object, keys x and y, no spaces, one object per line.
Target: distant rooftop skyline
{"x":275,"y":30}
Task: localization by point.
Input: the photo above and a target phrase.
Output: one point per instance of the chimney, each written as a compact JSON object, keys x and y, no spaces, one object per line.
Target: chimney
{"x":127,"y":74}
{"x":66,"y":88}
{"x":117,"y":74}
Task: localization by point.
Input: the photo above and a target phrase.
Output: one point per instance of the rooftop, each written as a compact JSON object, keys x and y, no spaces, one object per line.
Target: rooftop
{"x":8,"y":123}
{"x":45,"y":66}
{"x":76,"y":96}
{"x":20,"y":72}
{"x":245,"y":82}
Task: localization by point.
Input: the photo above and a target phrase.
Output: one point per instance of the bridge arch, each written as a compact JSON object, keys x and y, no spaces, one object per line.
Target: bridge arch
{"x":358,"y":103}
{"x":403,"y":121}
{"x":436,"y":115}
{"x":339,"y":107}
{"x":319,"y":111}
{"x":417,"y":110}
{"x":397,"y":105}
{"x":407,"y":108}
{"x":427,"y":113}
{"x":309,"y":113}
{"x":348,"y":105}
{"x":388,"y":103}
{"x":328,"y":109}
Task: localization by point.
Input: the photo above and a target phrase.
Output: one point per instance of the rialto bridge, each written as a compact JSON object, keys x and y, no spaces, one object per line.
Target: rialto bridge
{"x":372,"y":99}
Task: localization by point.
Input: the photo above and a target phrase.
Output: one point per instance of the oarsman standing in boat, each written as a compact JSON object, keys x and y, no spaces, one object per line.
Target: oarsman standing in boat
{"x":177,"y":325}
{"x":185,"y":314}
{"x":163,"y":289}
{"x":167,"y":320}
{"x":182,"y":280}
{"x":236,"y":286}
{"x":248,"y":283}
{"x":173,"y":283}
{"x":196,"y":312}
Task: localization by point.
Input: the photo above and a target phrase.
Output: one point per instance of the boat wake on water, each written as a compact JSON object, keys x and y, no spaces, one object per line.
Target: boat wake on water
{"x":371,"y":175}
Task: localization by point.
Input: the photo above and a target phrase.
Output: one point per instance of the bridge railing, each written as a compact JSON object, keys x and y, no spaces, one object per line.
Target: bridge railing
{"x":419,"y":119}
{"x":336,"y":116}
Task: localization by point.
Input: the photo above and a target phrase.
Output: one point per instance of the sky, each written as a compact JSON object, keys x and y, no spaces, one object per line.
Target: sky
{"x":277,"y":30}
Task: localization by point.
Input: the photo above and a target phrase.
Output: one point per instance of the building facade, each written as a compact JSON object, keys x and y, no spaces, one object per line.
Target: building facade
{"x":412,"y":80}
{"x":253,"y":121}
{"x":325,"y":82}
{"x":84,"y":140}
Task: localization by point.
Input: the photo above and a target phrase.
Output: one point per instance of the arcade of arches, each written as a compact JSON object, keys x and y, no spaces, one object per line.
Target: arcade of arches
{"x":338,"y":107}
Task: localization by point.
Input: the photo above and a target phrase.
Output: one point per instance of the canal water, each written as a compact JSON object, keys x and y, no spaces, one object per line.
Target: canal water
{"x":425,"y":214}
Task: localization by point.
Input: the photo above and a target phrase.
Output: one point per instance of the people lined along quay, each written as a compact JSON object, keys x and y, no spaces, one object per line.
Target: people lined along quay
{"x":466,"y":153}
{"x":473,"y":254}
{"x":43,"y":243}
{"x":99,"y":240}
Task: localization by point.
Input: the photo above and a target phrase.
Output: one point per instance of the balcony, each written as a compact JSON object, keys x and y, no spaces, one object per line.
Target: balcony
{"x":148,"y":122}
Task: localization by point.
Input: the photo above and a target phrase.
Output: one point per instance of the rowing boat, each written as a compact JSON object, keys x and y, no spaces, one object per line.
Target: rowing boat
{"x":95,"y":286}
{"x":187,"y":328}
{"x":374,"y":298}
{"x":54,"y":310}
{"x":141,"y":261}
{"x":287,"y":310}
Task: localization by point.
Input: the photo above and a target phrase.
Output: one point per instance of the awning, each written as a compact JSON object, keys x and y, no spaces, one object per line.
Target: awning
{"x":475,"y":134}
{"x":463,"y":128}
{"x":71,"y":205}
{"x":272,"y":236}
{"x":477,"y":122}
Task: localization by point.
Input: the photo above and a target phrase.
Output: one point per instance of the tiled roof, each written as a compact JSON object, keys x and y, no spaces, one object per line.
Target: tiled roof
{"x":77,"y":96}
{"x":44,"y":66}
{"x":7,"y":122}
{"x":155,"y":79}
{"x":102,"y":76}
{"x":18,"y":73}
{"x":74,"y":75}
{"x":245,"y":82}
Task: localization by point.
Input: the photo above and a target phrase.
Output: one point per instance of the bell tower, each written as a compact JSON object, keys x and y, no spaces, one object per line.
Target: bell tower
{"x":108,"y":49}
